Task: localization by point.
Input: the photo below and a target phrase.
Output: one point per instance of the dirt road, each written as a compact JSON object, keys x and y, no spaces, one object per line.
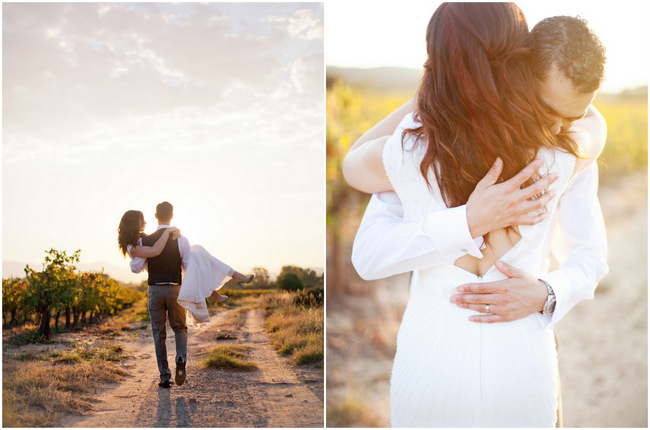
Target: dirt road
{"x":278,"y":394}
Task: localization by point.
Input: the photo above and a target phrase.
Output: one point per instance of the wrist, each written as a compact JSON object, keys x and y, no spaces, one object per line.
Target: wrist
{"x":477,"y":227}
{"x":549,"y":305}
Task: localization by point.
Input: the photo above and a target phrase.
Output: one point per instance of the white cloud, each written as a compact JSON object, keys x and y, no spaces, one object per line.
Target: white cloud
{"x":210,"y":92}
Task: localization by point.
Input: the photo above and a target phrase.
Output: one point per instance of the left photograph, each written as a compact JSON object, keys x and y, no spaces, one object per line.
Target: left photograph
{"x":163,"y":215}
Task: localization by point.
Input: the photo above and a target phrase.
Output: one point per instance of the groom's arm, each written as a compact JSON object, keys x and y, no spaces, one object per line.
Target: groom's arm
{"x":386,"y":245}
{"x":184,"y":250}
{"x":580,"y":247}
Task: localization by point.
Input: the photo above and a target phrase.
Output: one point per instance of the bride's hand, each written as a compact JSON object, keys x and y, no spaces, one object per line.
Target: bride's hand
{"x":175,"y":232}
{"x":493,"y":206}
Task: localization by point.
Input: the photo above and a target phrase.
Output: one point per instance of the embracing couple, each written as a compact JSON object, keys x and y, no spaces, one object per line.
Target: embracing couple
{"x":470,"y":180}
{"x":173,"y":297}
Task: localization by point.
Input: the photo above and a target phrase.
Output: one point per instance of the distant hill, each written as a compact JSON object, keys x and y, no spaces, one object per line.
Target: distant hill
{"x":391,"y":79}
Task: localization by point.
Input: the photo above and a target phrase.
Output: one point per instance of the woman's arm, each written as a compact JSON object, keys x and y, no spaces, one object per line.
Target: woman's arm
{"x":156,"y":249}
{"x":363,"y":167}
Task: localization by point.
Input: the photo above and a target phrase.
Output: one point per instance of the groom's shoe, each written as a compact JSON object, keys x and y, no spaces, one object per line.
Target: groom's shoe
{"x":165,"y":381}
{"x":180,"y":371}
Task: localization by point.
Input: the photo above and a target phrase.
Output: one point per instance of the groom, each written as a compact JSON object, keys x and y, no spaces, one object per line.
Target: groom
{"x":165,"y":277}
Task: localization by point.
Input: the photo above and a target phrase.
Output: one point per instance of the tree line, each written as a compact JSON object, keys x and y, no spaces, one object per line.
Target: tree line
{"x":60,"y":290}
{"x":291,"y":278}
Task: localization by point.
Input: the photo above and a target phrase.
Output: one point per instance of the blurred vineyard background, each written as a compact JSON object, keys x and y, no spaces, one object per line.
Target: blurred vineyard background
{"x":602,"y":344}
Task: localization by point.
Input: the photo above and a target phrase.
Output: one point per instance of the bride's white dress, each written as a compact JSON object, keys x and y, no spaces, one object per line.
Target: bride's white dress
{"x":204,"y":274}
{"x":448,"y":371}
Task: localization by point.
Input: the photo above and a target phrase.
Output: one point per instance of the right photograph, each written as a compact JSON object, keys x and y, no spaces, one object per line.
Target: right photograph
{"x":487,"y":215}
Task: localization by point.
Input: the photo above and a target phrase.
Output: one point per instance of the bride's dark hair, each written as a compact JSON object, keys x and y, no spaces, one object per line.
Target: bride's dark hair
{"x":478,"y":98}
{"x":128,"y":232}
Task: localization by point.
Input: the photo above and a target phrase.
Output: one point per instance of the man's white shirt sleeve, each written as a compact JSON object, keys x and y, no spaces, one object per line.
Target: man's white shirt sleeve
{"x":580,"y":244}
{"x":184,"y":249}
{"x":385,"y":245}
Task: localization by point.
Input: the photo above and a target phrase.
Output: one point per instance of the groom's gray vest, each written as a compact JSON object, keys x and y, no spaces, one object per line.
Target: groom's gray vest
{"x":166,"y":267}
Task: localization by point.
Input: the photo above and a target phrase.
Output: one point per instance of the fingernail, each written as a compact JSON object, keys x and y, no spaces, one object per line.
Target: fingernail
{"x":461,"y":289}
{"x":454,"y":299}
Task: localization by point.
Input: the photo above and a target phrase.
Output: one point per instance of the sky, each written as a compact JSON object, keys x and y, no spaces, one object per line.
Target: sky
{"x":363,"y":34}
{"x":217,"y":108}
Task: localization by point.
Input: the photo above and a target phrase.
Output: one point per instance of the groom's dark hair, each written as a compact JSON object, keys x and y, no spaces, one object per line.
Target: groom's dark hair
{"x":164,"y":211}
{"x":568,"y":43}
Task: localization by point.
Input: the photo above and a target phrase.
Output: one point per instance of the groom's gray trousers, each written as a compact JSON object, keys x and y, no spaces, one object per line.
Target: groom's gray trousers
{"x":162,"y":307}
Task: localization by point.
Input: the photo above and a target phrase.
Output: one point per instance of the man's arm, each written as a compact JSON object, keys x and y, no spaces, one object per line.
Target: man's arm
{"x":581,"y":249}
{"x":184,"y":249}
{"x":362,"y":166}
{"x":385,"y":245}
{"x":581,"y":246}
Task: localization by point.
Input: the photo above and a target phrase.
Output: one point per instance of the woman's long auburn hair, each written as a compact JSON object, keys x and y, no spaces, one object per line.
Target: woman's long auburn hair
{"x":128,"y":232}
{"x":478,"y":98}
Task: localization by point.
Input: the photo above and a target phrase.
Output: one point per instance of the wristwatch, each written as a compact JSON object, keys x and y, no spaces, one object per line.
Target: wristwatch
{"x":549,"y":306}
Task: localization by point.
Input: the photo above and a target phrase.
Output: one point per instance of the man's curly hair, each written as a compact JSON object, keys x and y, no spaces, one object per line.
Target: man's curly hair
{"x":568,"y":43}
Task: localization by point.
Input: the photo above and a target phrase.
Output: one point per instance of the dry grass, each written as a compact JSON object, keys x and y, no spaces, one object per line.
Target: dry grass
{"x":82,"y":353}
{"x":230,"y":357}
{"x":351,"y":413}
{"x":38,"y":389}
{"x":295,"y":330}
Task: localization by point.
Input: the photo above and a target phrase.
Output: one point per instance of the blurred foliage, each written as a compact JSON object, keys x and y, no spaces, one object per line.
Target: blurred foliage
{"x":350,"y":113}
{"x":626,"y":149}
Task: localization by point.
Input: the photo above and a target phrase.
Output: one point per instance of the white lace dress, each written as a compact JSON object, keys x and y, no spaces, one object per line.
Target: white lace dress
{"x":448,"y":371}
{"x":204,"y":275}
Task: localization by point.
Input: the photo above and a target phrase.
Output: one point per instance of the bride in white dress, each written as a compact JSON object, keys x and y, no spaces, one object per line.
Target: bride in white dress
{"x":205,"y":274}
{"x":476,"y":111}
